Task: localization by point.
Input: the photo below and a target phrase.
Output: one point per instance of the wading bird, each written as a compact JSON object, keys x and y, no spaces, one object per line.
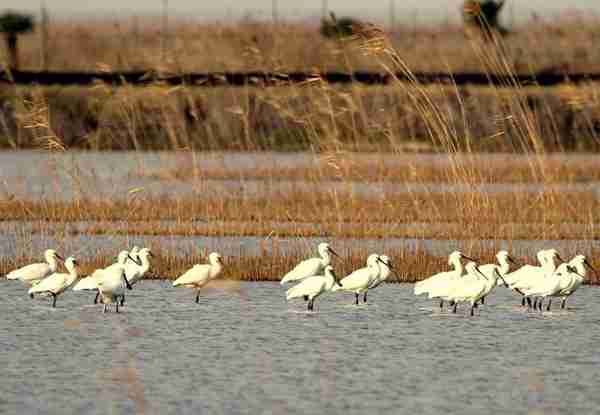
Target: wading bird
{"x":312,"y":287}
{"x":438,"y":282}
{"x":359,"y":281}
{"x":57,"y":283}
{"x":312,"y":266}
{"x":112,"y":286}
{"x":201,"y":274}
{"x":34,"y":273}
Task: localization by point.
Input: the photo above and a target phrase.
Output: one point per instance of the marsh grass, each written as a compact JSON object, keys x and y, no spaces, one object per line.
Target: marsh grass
{"x":271,"y":264}
{"x":476,"y":208}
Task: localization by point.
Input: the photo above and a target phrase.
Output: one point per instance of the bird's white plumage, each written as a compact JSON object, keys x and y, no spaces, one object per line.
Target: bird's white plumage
{"x":57,"y":283}
{"x":385,"y":270}
{"x":440,"y":280}
{"x":135,"y":272}
{"x":90,"y":283}
{"x":534,"y":275}
{"x":313,"y":287}
{"x":201,"y":274}
{"x":311,"y":266}
{"x":34,"y":273}
{"x":113,"y":284}
{"x":360,"y":280}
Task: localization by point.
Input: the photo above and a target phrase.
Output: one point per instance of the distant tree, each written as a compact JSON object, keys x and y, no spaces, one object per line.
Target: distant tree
{"x":484,"y":16}
{"x":13,"y":24}
{"x":338,"y":28}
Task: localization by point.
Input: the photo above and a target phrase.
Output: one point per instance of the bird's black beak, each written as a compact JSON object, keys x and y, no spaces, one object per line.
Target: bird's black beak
{"x":512,"y":260}
{"x":333,"y":252}
{"x":60,"y":257}
{"x":127,"y":282}
{"x":591,"y":267}
{"x":469,"y":258}
{"x":502,"y":278}
{"x":134,"y":261}
{"x":481,"y":273}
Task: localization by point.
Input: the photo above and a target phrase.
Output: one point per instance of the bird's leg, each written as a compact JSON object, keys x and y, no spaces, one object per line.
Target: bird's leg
{"x":306,"y":298}
{"x":31,"y":296}
{"x":454,"y":308}
{"x":104,"y":308}
{"x":535,"y":301}
{"x":53,"y":300}
{"x":197,"y":296}
{"x":356,"y":295}
{"x":96,"y":299}
{"x":563,"y":303}
{"x":122,"y":300}
{"x":528,"y":302}
{"x":540,"y":301}
{"x":311,"y":305}
{"x":441,"y":304}
{"x":549,"y":304}
{"x":483,"y":300}
{"x":472,"y":310}
{"x":365,"y":297}
{"x":523,"y":302}
{"x":117,"y":306}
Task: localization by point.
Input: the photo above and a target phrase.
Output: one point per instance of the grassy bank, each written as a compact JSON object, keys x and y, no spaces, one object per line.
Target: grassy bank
{"x":564,"y":43}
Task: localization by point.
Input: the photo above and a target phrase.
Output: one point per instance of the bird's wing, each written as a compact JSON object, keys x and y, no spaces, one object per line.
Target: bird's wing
{"x":520,"y":273}
{"x":424,"y":286}
{"x":198,"y":274}
{"x":309,"y":286}
{"x":361,"y":278}
{"x":31,"y":272}
{"x":468,"y":290}
{"x":305,"y":269}
{"x":88,"y":283}
{"x":53,"y":283}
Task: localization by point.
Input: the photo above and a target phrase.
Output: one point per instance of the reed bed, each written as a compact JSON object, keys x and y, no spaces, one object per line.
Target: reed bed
{"x":430,"y":231}
{"x":476,"y":208}
{"x":271,"y":264}
{"x":312,"y":117}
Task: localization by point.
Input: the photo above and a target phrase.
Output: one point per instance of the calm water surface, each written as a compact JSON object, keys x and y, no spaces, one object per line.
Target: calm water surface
{"x":100,"y":175}
{"x":244,"y":350}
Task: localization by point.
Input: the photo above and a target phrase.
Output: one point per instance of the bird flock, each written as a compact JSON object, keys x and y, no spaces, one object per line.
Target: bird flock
{"x":468,"y":283}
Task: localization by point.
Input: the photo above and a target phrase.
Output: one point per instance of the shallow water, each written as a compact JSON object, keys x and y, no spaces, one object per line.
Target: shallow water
{"x":100,"y":175}
{"x":244,"y":350}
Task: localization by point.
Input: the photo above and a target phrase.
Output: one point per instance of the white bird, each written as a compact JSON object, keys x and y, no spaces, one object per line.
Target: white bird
{"x":438,"y":283}
{"x":57,"y":283}
{"x":312,"y":287}
{"x":501,"y":269}
{"x":112,"y":285}
{"x":359,"y":281}
{"x":33,"y":273}
{"x":533,"y":276}
{"x":201,"y":274}
{"x":470,"y":289}
{"x":90,"y":283}
{"x":139,"y":266}
{"x":567,"y":278}
{"x":312,"y":266}
{"x":134,"y":253}
{"x":385,"y":270}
